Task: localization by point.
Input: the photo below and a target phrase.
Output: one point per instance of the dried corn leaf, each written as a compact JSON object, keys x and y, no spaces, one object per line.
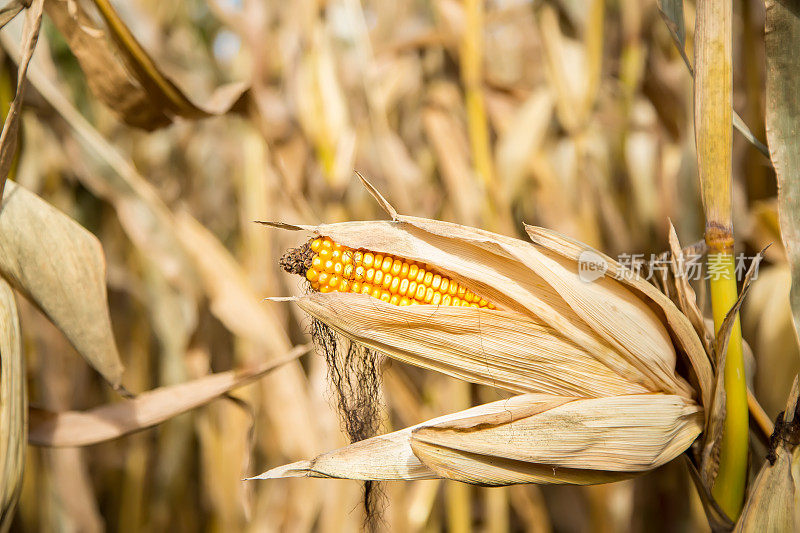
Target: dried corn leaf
{"x":774,"y":500}
{"x":533,"y":438}
{"x":105,"y":74}
{"x":13,"y":408}
{"x":60,"y":267}
{"x":8,"y":138}
{"x":783,"y":120}
{"x":72,"y":428}
{"x":679,"y":325}
{"x":125,"y":77}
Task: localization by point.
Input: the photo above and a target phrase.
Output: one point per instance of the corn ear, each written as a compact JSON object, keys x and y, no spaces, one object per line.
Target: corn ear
{"x":531,"y":438}
{"x":13,"y":407}
{"x":602,"y":318}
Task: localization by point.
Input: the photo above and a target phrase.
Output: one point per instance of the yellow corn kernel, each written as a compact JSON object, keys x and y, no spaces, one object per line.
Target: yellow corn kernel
{"x":452,"y":290}
{"x":402,"y":288}
{"x":386,"y":277}
{"x":445,"y":285}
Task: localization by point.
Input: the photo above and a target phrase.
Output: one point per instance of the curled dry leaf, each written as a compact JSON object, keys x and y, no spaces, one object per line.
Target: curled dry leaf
{"x":13,"y":407}
{"x":60,"y":267}
{"x":8,"y":138}
{"x":105,"y":74}
{"x":124,"y":76}
{"x":148,"y":409}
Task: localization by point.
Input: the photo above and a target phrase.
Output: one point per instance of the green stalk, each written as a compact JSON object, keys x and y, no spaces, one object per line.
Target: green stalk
{"x":729,"y":486}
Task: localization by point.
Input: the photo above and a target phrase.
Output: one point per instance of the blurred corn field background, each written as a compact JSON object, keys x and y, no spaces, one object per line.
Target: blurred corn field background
{"x":576,"y":115}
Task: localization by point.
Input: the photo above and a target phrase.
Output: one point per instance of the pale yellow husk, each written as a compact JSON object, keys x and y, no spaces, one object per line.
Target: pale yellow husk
{"x":596,"y":362}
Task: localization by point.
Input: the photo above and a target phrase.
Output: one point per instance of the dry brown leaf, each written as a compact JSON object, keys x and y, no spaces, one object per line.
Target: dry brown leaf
{"x":105,"y":74}
{"x":122,"y":74}
{"x":60,"y":267}
{"x":13,"y":407}
{"x":72,"y":428}
{"x":8,"y":139}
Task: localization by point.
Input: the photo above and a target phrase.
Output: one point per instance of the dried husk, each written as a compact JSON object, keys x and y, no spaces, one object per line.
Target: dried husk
{"x":531,"y":438}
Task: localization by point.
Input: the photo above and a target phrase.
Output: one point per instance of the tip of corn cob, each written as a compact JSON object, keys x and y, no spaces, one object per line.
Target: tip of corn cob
{"x":331,"y":267}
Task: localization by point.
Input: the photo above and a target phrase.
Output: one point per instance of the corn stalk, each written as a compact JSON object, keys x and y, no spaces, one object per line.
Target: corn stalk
{"x":713,"y":135}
